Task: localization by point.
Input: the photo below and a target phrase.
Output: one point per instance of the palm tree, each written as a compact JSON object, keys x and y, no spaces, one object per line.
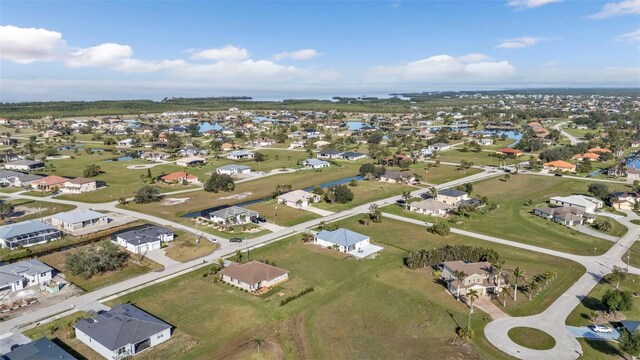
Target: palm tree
{"x":459,"y":275}
{"x":519,"y":275}
{"x":506,"y":292}
{"x":496,"y":270}
{"x":534,"y":286}
{"x":472,"y":295}
{"x":258,"y":341}
{"x":605,"y":225}
{"x":433,"y":191}
{"x":406,"y":195}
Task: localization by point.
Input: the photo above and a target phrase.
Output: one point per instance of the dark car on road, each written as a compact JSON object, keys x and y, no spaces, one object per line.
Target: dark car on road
{"x":235,"y":239}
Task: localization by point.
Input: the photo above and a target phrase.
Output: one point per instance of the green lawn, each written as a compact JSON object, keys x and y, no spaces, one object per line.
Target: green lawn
{"x":514,"y":220}
{"x":246,"y":191}
{"x":637,"y":222}
{"x":35,"y":209}
{"x":617,"y":230}
{"x":477,"y":158}
{"x":284,"y":215}
{"x":365,"y":192}
{"x":634,"y":255}
{"x":600,"y":350}
{"x":442,"y":173}
{"x":133,"y":268}
{"x":184,"y":247}
{"x":532,"y":338}
{"x":591,"y":303}
{"x":408,"y":308}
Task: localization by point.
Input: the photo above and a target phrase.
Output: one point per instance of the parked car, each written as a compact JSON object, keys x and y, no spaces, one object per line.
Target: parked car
{"x":601,"y":329}
{"x":213,"y":240}
{"x":255,"y":220}
{"x":235,"y":239}
{"x":261,"y":219}
{"x":560,"y":175}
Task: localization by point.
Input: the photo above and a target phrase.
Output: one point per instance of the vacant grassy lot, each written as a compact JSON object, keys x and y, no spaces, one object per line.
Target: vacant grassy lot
{"x":184,"y":248}
{"x":133,"y":267}
{"x":532,"y":338}
{"x":367,"y":191}
{"x":284,"y":215}
{"x":477,"y":158}
{"x":514,"y":220}
{"x":34,"y":209}
{"x":442,"y":173}
{"x":409,"y":309}
{"x":246,"y":191}
{"x":591,"y":303}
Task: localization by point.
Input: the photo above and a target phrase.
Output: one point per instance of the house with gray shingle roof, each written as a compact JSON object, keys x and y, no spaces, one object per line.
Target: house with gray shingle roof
{"x":21,"y":274}
{"x":233,"y":215}
{"x":144,"y":238}
{"x":121,"y":332}
{"x":41,"y":349}
{"x":27,"y":233}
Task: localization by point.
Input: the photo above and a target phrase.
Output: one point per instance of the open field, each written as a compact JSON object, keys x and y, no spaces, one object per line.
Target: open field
{"x":184,"y":248}
{"x":445,"y":173}
{"x":407,"y":307}
{"x":367,"y":191}
{"x":25,"y":209}
{"x":133,"y":267}
{"x":514,"y":220}
{"x":477,"y":158}
{"x":532,"y":338}
{"x":591,"y":303}
{"x":246,"y":191}
{"x":284,"y":216}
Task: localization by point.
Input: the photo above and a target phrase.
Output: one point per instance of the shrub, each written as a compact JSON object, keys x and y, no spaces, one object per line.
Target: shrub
{"x":423,"y":258}
{"x":293,"y":297}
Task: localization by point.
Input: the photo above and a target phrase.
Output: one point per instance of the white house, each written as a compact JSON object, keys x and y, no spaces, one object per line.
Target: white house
{"x":24,"y":165}
{"x":477,"y":275}
{"x":27,"y":233}
{"x":240,"y":155}
{"x":78,"y":219}
{"x":122,"y":332}
{"x":233,"y":169}
{"x":353,"y":156}
{"x":586,"y":203}
{"x":233,"y":215}
{"x":143,"y":239}
{"x":314,"y":163}
{"x":79,"y":185}
{"x":191,"y":161}
{"x":345,"y":240}
{"x":452,"y":196}
{"x":22,"y":274}
{"x":253,"y":275}
{"x":439,"y":147}
{"x":298,"y":198}
{"x":126,"y":142}
{"x":330,"y":154}
{"x":430,"y":207}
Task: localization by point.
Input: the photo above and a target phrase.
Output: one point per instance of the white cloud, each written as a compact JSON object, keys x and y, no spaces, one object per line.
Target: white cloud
{"x":445,"y":68}
{"x":474,"y":57}
{"x":529,"y":4}
{"x":518,"y":43}
{"x":118,"y":57}
{"x":303,"y":54}
{"x":225,"y":53}
{"x":27,"y":45}
{"x":618,"y":8}
{"x":633,"y":36}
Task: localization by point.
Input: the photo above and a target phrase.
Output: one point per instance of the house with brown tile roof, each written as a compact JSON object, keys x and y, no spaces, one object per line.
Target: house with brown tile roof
{"x":253,"y":275}
{"x":49,"y":182}
{"x":476,"y":275}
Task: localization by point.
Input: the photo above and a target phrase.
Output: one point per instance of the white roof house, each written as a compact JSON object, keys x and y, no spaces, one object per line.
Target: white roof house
{"x":232,"y":169}
{"x":190,"y":161}
{"x":78,"y":219}
{"x":240,"y":154}
{"x":586,"y":203}
{"x":430,"y":207}
{"x":234,"y":215}
{"x":298,"y":198}
{"x":25,"y":273}
{"x":27,"y":233}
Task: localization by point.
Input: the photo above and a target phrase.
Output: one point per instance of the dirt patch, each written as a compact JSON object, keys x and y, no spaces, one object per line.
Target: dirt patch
{"x":173,"y":201}
{"x":238,"y":196}
{"x":303,"y":349}
{"x":21,"y":210}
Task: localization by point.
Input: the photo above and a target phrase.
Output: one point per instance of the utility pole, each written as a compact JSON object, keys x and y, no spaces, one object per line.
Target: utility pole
{"x":275,"y":213}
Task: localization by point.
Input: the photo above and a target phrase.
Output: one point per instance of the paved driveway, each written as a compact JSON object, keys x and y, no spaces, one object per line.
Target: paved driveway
{"x":585,"y":332}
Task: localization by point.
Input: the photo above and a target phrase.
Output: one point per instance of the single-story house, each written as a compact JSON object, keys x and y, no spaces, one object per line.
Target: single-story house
{"x":41,"y":349}
{"x":27,"y":233}
{"x":345,"y":239}
{"x":439,"y":147}
{"x":478,"y":276}
{"x":353,"y":156}
{"x":22,"y":274}
{"x":560,"y":165}
{"x":17,"y":179}
{"x":315,"y":163}
{"x":599,"y":150}
{"x":586,"y":156}
{"x":429,"y":207}
{"x":233,"y":169}
{"x":625,"y":200}
{"x":126,"y":142}
{"x":452,"y":196}
{"x":586,"y":203}
{"x":630,"y":326}
{"x":565,"y":215}
{"x":484,"y":141}
{"x":191,"y":161}
{"x":298,"y":198}
{"x":233,"y":215}
{"x":240,"y":155}
{"x":180,"y":177}
{"x":49,"y":183}
{"x":78,"y":219}
{"x":392,"y":176}
{"x":51,"y":134}
{"x":253,"y":275}
{"x":330,"y":154}
{"x":155,"y":155}
{"x":79,"y":185}
{"x":509,"y":152}
{"x":122,"y":332}
{"x":24,"y":165}
{"x":142,"y":239}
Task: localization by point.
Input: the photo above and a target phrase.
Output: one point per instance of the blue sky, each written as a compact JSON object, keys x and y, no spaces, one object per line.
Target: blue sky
{"x":296,"y":49}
